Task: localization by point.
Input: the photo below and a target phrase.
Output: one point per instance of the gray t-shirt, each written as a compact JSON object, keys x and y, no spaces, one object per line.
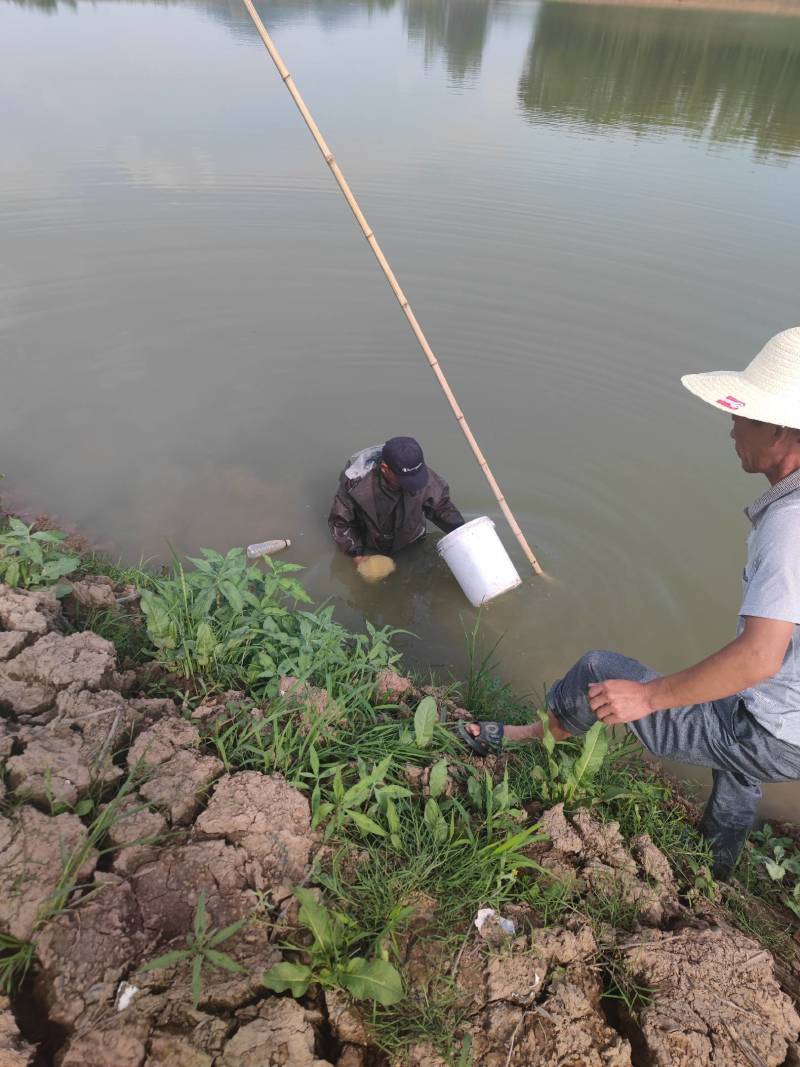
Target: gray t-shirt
{"x":771,"y":590}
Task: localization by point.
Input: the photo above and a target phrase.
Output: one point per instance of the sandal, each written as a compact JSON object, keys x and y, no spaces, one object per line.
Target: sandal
{"x":489,"y":740}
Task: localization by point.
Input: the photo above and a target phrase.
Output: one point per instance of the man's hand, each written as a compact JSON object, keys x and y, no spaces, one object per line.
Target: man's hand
{"x":617,"y":700}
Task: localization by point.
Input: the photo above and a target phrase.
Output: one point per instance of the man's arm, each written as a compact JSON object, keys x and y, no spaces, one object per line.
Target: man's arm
{"x":344,"y":526}
{"x":755,"y":655}
{"x":440,"y":509}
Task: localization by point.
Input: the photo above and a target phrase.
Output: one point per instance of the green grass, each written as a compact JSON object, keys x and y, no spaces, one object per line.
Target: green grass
{"x":483,"y":693}
{"x":16,"y":960}
{"x":95,"y":563}
{"x":463,"y":843}
{"x":129,"y":639}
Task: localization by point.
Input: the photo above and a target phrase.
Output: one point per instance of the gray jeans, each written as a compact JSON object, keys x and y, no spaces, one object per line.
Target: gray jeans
{"x":722,"y":735}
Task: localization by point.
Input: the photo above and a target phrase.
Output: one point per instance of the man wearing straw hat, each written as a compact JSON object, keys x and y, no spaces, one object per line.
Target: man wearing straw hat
{"x":738,"y":711}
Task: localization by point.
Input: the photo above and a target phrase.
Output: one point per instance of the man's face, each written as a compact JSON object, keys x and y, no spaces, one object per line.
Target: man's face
{"x":758,"y":444}
{"x":389,"y":476}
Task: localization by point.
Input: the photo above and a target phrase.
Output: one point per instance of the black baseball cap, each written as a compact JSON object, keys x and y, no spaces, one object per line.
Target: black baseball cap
{"x":403,"y":456}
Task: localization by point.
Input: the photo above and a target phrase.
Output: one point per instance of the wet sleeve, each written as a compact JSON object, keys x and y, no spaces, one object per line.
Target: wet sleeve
{"x":441,"y":510}
{"x":344,"y":526}
{"x":772,"y":577}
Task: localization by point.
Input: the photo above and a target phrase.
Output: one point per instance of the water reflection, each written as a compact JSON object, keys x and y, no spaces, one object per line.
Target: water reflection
{"x":455,"y":28}
{"x":725,"y":76}
{"x":729,"y":77}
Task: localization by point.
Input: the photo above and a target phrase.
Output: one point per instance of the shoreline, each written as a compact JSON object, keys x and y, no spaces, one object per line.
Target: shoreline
{"x":272,"y":834}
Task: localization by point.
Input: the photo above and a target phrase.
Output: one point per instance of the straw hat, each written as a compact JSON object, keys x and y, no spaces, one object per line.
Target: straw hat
{"x":768,"y":389}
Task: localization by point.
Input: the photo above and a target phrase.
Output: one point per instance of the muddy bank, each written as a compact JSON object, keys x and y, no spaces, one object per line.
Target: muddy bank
{"x":126,"y":813}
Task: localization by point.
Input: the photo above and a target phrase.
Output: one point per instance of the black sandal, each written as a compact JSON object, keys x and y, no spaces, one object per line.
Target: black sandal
{"x":490,"y":738}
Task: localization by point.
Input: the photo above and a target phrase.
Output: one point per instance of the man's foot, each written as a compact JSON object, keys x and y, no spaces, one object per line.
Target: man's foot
{"x":482,"y":737}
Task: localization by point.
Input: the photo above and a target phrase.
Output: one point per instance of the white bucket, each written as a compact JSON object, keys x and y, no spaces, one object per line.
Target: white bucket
{"x":480,"y":564}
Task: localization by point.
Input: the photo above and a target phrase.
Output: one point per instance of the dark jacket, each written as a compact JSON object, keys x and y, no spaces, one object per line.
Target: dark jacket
{"x":367,"y":516}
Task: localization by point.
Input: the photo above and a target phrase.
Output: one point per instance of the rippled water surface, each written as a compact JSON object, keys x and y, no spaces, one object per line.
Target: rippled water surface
{"x":581,"y":202}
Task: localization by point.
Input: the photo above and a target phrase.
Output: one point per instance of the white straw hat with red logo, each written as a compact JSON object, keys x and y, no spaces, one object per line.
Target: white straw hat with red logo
{"x":767,"y":390}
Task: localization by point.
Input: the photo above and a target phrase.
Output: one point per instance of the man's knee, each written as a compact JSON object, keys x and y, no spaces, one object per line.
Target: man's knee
{"x":598,"y":664}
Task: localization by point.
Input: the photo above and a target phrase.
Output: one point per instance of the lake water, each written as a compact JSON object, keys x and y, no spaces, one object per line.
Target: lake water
{"x":581,"y":203}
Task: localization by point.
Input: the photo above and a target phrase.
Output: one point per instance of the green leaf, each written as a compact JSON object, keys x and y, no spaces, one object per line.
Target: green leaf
{"x":593,"y":753}
{"x":374,"y":980}
{"x":436,"y":821}
{"x":548,"y":741}
{"x":501,"y":793}
{"x":51,"y":537}
{"x":205,"y":644}
{"x":12,"y":573}
{"x":197,"y":979}
{"x":314,"y":916}
{"x":438,"y":778}
{"x":366,"y":825}
{"x":223,"y":960}
{"x":295,"y":590}
{"x":169,"y":959}
{"x":338,"y":786}
{"x":359,"y":792}
{"x":233,"y":596}
{"x":295,"y":977}
{"x":322,"y":812}
{"x":227,"y":931}
{"x":424,"y":721}
{"x":313,"y":759}
{"x":392,"y":792}
{"x":776,"y":871}
{"x":392,"y":818}
{"x":200,"y":917}
{"x":57,"y":568}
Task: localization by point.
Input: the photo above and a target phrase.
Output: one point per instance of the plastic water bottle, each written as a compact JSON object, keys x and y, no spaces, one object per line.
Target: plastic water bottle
{"x":268,"y":548}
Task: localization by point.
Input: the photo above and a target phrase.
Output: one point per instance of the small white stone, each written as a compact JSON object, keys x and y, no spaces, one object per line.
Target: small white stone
{"x":125,"y":995}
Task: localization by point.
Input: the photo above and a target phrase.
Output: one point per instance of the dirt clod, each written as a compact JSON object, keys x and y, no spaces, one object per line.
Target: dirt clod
{"x":715,"y":1000}
{"x":392,"y":688}
{"x":93,"y":593}
{"x":26,"y":702}
{"x":14,"y":1051}
{"x":160,"y":743}
{"x":86,"y":950}
{"x":136,"y":833}
{"x":283,"y":1035}
{"x":83,"y":659}
{"x":12,"y":642}
{"x":180,"y":786}
{"x":33,"y":849}
{"x":563,"y":837}
{"x":345,"y":1019}
{"x":269,"y":819}
{"x":167,"y":888}
{"x":170,"y":1051}
{"x":34,"y":611}
{"x":118,"y":1046}
{"x":52,"y":768}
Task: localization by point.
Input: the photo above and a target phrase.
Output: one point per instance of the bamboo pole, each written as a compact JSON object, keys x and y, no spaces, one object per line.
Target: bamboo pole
{"x":328,"y":156}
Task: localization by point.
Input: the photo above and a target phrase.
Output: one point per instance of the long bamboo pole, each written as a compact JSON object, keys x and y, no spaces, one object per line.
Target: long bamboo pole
{"x":328,"y":156}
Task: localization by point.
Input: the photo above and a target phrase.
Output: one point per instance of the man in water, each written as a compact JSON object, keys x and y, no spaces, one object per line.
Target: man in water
{"x":385,"y":494}
{"x":738,"y":711}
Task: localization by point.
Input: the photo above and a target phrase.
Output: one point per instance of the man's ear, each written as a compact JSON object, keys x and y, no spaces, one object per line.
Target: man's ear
{"x":790,"y":432}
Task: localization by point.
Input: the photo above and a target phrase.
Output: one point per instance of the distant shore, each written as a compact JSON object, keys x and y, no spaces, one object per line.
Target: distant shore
{"x":751,"y":7}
